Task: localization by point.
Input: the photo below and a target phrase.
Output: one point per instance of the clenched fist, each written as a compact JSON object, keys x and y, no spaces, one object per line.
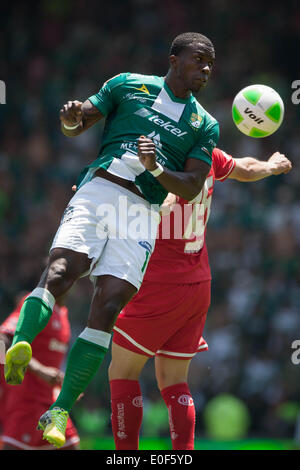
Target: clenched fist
{"x":147,"y":153}
{"x":71,"y":113}
{"x":279,"y":164}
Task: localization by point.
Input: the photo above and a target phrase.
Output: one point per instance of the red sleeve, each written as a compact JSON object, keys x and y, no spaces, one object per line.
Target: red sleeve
{"x":223,"y":164}
{"x":9,"y":325}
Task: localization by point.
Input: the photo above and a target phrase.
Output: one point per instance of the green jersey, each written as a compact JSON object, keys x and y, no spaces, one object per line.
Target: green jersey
{"x":136,"y":105}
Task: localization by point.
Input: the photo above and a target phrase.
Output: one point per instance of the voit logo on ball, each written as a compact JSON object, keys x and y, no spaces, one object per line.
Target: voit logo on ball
{"x":257,"y":111}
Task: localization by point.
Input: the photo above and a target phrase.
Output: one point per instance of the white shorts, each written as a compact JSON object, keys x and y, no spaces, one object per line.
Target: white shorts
{"x":113,"y":226}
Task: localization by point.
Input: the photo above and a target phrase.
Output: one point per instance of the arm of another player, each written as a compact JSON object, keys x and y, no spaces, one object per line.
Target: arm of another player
{"x":168,"y":204}
{"x":249,"y":169}
{"x":186,"y":184}
{"x":76,"y":117}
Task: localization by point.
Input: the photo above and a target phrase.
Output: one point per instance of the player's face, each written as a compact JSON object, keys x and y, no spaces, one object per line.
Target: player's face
{"x":193,"y":66}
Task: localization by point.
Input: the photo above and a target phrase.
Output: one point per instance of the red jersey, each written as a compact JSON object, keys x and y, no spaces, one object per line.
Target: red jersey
{"x":49,"y":348}
{"x":180,"y":255}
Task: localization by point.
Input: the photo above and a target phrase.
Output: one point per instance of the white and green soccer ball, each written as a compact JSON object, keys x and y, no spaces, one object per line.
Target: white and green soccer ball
{"x":257,"y":110}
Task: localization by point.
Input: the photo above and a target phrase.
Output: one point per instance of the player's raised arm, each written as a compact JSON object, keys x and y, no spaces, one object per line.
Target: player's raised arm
{"x":76,"y":117}
{"x":251,"y":169}
{"x":186,"y":184}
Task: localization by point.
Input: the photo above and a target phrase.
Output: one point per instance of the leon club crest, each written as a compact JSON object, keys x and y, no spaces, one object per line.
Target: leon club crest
{"x":195,"y":120}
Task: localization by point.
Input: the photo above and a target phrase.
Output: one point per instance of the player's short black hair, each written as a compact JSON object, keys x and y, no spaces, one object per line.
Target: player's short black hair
{"x":186,"y":39}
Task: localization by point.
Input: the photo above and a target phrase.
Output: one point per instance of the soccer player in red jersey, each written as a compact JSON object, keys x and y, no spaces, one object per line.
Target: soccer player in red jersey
{"x":166,"y":318}
{"x":22,"y":406}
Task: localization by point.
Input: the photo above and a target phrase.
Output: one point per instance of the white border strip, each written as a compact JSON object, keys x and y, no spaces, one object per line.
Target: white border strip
{"x":227,"y":174}
{"x":166,"y":106}
{"x":131,"y":340}
{"x":170,"y":353}
{"x":44,"y":295}
{"x":99,"y":337}
{"x":202,"y":346}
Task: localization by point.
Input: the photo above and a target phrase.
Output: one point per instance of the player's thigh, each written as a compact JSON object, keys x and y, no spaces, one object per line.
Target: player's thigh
{"x":171,"y":371}
{"x":125,"y":364}
{"x":81,"y":237}
{"x":111,"y":294}
{"x":127,"y":252}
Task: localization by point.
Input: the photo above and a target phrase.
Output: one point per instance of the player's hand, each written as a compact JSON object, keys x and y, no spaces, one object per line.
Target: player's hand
{"x":279,"y":164}
{"x":71,"y":114}
{"x":168,"y":204}
{"x":147,"y":152}
{"x":51,"y":375}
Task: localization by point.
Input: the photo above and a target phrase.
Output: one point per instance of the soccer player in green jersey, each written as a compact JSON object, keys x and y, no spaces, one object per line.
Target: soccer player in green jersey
{"x":157,"y":139}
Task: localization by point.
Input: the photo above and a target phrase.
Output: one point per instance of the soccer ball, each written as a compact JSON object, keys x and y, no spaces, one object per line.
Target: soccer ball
{"x":257,"y":110}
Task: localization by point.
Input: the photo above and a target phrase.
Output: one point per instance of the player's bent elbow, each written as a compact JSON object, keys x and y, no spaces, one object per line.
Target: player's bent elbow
{"x":188,"y":195}
{"x":193,"y":190}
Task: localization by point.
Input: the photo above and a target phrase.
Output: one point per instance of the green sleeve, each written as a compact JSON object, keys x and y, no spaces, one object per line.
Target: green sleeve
{"x":206,"y":143}
{"x":108,"y":96}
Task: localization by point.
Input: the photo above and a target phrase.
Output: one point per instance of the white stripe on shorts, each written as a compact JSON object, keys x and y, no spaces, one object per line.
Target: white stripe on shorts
{"x":171,"y":353}
{"x":131,"y":340}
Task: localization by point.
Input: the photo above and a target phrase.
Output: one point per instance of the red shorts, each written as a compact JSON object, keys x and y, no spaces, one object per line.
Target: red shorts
{"x":165,"y":320}
{"x":19,"y":428}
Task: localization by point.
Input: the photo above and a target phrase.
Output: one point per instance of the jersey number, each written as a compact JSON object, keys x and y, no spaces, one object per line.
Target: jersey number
{"x":196,"y":224}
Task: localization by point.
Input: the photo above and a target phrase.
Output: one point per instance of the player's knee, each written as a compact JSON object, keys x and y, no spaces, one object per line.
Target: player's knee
{"x":166,"y":378}
{"x":116,"y":371}
{"x":120,"y":370}
{"x":161,"y":378}
{"x":104,"y":313}
{"x":58,"y":277}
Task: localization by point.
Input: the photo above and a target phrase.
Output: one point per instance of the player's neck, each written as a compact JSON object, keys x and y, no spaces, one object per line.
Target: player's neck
{"x":176,"y":86}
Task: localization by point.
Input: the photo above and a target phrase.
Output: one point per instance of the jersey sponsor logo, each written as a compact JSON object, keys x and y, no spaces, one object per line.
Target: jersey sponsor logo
{"x":138,"y":401}
{"x":195,"y":121}
{"x":130,"y":147}
{"x":55,"y":345}
{"x":56,"y":324}
{"x":26,"y":438}
{"x":143,"y":112}
{"x":145,"y":245}
{"x":148,"y":249}
{"x":186,"y":400}
{"x":67,"y":215}
{"x":144,"y":89}
{"x":121,"y":421}
{"x":171,"y":423}
{"x":156,"y":139}
{"x":132,"y":96}
{"x":167,"y":125}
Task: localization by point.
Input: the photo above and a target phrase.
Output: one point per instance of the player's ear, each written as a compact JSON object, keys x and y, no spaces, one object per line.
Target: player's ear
{"x":173,"y":61}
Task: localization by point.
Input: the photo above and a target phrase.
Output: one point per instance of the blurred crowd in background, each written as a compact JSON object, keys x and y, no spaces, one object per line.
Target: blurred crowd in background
{"x":55,"y":51}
